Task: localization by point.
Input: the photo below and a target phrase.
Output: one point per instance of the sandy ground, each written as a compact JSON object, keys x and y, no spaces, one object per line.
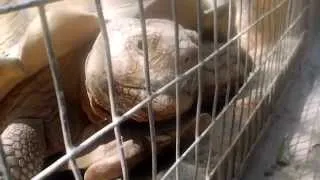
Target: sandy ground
{"x":291,"y":148}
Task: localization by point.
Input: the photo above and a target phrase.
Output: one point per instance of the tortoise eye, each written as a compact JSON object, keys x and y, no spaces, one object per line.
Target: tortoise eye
{"x":134,"y":44}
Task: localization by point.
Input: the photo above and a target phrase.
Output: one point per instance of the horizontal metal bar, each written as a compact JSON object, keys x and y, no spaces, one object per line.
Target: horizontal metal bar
{"x":31,"y":3}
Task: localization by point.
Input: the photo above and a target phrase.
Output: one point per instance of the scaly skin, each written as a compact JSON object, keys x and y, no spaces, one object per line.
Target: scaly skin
{"x":29,"y":114}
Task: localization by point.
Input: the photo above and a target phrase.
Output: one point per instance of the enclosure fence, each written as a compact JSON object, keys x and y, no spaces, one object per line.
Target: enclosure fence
{"x":277,"y":30}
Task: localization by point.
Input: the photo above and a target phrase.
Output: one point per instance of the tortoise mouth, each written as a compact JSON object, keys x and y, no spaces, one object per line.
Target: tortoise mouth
{"x":163,"y":110}
{"x":162,"y":127}
{"x":129,"y":95}
{"x":138,"y":117}
{"x":100,"y":112}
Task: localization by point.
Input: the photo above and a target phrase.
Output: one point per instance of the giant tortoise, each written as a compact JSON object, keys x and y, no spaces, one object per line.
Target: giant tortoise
{"x":29,"y":112}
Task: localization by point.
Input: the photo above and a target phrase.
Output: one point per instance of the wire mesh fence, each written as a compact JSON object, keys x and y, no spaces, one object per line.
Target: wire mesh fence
{"x":203,"y":85}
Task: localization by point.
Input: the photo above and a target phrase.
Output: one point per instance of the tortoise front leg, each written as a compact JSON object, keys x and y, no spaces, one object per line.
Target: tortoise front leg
{"x":24,"y":148}
{"x":103,"y":162}
{"x":106,"y":162}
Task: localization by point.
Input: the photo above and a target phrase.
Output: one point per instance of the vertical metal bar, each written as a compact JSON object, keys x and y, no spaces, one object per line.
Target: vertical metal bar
{"x":228,"y":77}
{"x":233,"y":132}
{"x":228,"y":52}
{"x":292,"y":17}
{"x":258,"y":93}
{"x":248,"y":8}
{"x":269,"y":64}
{"x":230,"y":165}
{"x":280,"y":49}
{"x":279,"y":26}
{"x":220,"y":172}
{"x":273,"y":58}
{"x":199,"y":76}
{"x":56,"y":77}
{"x":248,"y":105}
{"x":245,"y":74}
{"x":265,"y":59}
{"x":256,"y":16}
{"x":250,"y":134}
{"x":216,"y":88}
{"x":239,"y":11}
{"x":114,"y":116}
{"x":301,"y":27}
{"x":311,"y":21}
{"x":236,"y":86}
{"x":263,"y":32}
{"x":237,"y":163}
{"x":262,"y":58}
{"x":293,"y":33}
{"x":285,"y":38}
{"x":287,"y":26}
{"x":248,"y":34}
{"x":247,"y":141}
{"x":177,"y":72}
{"x":148,"y":88}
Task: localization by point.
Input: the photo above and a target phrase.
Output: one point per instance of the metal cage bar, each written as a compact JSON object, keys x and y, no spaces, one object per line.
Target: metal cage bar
{"x":55,"y":73}
{"x":199,"y":80}
{"x":148,"y":87}
{"x":242,"y":137}
{"x":114,"y":115}
{"x":177,"y":90}
{"x":216,"y":90}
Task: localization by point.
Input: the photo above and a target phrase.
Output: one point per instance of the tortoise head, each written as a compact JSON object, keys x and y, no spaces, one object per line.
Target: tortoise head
{"x":127,"y":57}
